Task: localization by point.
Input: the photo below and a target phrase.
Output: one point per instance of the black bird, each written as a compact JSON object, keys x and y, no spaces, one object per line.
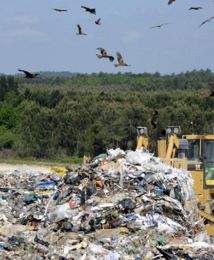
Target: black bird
{"x":60,"y":10}
{"x":170,"y":2}
{"x":159,"y":26}
{"x":195,"y":8}
{"x":104,"y":54}
{"x":98,"y":21}
{"x":154,"y":118}
{"x":206,"y":21}
{"x":120,"y":60}
{"x":29,"y":75}
{"x":80,"y":30}
{"x":90,"y":10}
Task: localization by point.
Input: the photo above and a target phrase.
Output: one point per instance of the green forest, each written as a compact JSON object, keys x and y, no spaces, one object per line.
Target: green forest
{"x":61,"y":115}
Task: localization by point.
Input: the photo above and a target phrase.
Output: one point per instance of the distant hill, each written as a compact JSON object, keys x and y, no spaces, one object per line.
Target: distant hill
{"x":201,"y":79}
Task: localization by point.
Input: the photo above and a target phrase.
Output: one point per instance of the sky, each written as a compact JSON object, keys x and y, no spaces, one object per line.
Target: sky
{"x":36,"y":38}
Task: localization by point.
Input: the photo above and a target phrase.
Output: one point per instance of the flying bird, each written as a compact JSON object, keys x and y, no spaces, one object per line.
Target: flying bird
{"x":120,"y":60}
{"x":206,"y":21}
{"x":104,"y":54}
{"x":170,"y":2}
{"x":80,"y":30}
{"x":159,"y":25}
{"x":29,"y":75}
{"x":98,"y":21}
{"x":195,"y":8}
{"x":90,"y":10}
{"x":60,"y":10}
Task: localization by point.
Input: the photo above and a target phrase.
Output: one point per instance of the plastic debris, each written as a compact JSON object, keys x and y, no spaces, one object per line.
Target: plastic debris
{"x":118,"y":206}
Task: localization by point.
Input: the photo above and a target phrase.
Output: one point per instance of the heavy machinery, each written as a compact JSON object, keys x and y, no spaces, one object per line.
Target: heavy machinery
{"x":194,"y":153}
{"x":142,"y":137}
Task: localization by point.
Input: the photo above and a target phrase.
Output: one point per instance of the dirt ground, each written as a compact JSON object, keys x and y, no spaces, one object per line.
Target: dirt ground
{"x":8,"y":168}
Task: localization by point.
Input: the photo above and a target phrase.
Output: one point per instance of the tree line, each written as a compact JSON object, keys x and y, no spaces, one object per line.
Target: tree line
{"x":60,"y":117}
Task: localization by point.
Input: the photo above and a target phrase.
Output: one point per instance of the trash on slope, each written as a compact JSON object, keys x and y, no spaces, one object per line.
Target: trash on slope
{"x":121,"y":205}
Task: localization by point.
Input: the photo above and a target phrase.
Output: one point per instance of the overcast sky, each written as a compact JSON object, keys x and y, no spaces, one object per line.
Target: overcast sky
{"x":36,"y":38}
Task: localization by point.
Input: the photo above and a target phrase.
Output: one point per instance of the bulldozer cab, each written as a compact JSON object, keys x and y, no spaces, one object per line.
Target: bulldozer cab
{"x":196,"y":154}
{"x":201,"y":157}
{"x":209,"y":163}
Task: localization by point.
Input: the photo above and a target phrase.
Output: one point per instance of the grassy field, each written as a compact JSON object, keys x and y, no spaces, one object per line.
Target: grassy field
{"x":33,"y":161}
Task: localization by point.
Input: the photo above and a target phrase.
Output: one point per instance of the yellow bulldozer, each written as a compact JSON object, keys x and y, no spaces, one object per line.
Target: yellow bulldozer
{"x":194,"y":153}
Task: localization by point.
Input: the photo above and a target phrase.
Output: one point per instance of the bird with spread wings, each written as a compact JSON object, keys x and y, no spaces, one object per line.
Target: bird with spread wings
{"x":159,"y":25}
{"x":120,"y":60}
{"x":90,"y":10}
{"x":171,"y":1}
{"x":195,"y":8}
{"x":104,"y":54}
{"x":29,"y":75}
{"x":97,"y":22}
{"x":206,"y":21}
{"x":80,"y":32}
{"x":60,"y":10}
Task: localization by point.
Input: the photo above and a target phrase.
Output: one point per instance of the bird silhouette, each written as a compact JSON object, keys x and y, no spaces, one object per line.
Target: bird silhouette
{"x":80,"y":30}
{"x":195,"y":8}
{"x":120,"y":60}
{"x":206,"y":21}
{"x":171,"y":1}
{"x":29,"y":75}
{"x":98,"y":21}
{"x":90,"y":10}
{"x":104,"y":54}
{"x":159,"y":25}
{"x":60,"y":10}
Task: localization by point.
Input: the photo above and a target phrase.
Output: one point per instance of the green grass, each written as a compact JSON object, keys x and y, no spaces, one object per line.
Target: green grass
{"x":46,"y":162}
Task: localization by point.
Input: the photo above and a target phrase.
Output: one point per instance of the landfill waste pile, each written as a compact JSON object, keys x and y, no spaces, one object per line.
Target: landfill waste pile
{"x":121,"y":205}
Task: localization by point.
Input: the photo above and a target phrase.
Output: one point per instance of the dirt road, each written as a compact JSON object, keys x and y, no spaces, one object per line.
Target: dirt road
{"x":8,"y":168}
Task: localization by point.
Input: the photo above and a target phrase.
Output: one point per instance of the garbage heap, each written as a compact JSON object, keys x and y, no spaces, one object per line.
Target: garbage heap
{"x":121,"y":205}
